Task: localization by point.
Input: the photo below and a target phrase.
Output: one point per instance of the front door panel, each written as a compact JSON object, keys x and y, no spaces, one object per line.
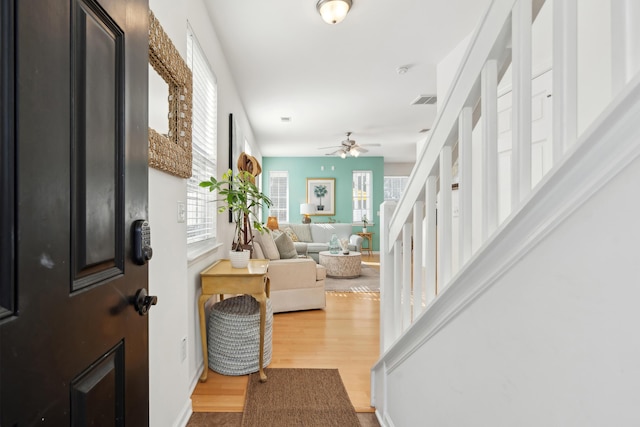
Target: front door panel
{"x":73,"y":350}
{"x":7,"y":160}
{"x":97,"y":144}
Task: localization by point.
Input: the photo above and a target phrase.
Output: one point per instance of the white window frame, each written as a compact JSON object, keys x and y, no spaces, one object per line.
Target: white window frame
{"x":398,"y":182}
{"x":362,"y":184}
{"x":281,"y":212}
{"x":201,"y":207}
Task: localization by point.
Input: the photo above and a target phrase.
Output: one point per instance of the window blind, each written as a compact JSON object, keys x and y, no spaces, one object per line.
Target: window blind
{"x":201,"y":208}
{"x":393,"y":187}
{"x":279,"y":195}
{"x":362,"y":194}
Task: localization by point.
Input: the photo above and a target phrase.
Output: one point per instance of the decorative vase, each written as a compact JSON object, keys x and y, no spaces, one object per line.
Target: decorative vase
{"x":364,"y":229}
{"x":345,"y":252}
{"x":239,"y":259}
{"x":334,"y":244}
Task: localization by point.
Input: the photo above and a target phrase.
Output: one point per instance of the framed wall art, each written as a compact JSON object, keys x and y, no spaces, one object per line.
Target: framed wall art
{"x":321,"y":192}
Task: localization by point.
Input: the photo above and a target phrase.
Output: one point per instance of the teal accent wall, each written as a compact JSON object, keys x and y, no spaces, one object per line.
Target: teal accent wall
{"x":301,"y":168}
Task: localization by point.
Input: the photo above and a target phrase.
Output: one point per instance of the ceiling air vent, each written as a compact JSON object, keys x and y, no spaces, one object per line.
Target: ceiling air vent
{"x":425,"y":100}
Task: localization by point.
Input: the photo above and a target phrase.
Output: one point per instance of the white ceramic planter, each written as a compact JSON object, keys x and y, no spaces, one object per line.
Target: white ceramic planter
{"x":239,"y":259}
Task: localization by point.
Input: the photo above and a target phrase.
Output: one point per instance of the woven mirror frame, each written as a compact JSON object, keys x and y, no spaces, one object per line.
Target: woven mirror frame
{"x":172,"y":152}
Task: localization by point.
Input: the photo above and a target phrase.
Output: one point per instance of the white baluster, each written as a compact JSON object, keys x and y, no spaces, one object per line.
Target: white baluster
{"x":489,"y":102}
{"x":397,"y":268}
{"x":521,"y":111}
{"x":625,"y":42}
{"x":465,"y":214}
{"x":444,"y":219}
{"x":388,"y":294}
{"x":430,"y":282}
{"x":565,"y":76}
{"x":406,"y":276}
{"x":418,"y":216}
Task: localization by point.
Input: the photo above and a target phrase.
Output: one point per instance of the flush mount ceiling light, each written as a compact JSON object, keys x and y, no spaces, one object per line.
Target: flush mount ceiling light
{"x":333,"y":11}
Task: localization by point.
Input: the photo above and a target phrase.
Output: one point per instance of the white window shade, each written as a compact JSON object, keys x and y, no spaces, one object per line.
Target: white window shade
{"x":201,"y":209}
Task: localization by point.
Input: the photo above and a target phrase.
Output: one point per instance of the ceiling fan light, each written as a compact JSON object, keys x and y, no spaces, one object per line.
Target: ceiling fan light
{"x":333,"y":11}
{"x":343,"y":154}
{"x":354,"y":152}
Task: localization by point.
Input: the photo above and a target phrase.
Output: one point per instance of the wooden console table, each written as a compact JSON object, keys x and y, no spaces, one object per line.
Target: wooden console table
{"x":369,"y":238}
{"x":219,"y":279}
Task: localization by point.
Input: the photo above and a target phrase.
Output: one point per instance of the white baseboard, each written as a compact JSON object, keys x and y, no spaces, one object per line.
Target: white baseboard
{"x":187,"y":409}
{"x":384,"y":420}
{"x":185,"y":414}
{"x":196,"y":378}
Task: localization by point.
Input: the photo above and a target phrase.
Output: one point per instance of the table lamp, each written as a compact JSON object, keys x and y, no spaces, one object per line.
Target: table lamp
{"x":306,"y":209}
{"x":272,"y":223}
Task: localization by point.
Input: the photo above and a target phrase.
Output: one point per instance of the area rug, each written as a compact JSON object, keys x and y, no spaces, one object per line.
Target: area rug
{"x":298,"y":397}
{"x":368,"y":281}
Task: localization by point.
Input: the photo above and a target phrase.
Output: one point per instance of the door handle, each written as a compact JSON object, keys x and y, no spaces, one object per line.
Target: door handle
{"x":143,"y":302}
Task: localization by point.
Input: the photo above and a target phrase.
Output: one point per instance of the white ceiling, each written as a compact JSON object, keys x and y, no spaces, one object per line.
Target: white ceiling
{"x":331,"y":79}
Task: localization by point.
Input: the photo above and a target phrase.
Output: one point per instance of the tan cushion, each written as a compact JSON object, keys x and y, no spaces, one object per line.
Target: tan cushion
{"x":257,"y":251}
{"x":303,"y":231}
{"x":285,"y":246}
{"x":292,"y":234}
{"x":268,"y":246}
{"x":321,"y":272}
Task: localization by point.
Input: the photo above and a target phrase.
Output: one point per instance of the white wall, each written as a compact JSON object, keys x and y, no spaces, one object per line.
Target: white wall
{"x":168,"y":374}
{"x":398,"y":169}
{"x":552,"y":342}
{"x":447,"y":69}
{"x":172,"y":276}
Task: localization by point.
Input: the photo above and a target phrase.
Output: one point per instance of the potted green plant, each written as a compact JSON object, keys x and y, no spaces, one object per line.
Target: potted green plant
{"x":365,"y":221}
{"x":320,"y":191}
{"x":239,"y":194}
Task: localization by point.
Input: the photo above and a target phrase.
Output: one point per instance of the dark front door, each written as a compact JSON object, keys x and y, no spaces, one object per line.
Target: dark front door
{"x":73,"y":350}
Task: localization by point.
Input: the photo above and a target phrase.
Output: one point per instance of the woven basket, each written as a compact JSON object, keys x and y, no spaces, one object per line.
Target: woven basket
{"x":233,"y":336}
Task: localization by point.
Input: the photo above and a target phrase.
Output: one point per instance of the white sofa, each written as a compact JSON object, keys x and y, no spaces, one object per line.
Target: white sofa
{"x":314,"y":238}
{"x":296,"y":283}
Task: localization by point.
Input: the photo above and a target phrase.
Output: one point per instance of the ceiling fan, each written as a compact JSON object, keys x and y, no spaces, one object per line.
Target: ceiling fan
{"x":348,"y":147}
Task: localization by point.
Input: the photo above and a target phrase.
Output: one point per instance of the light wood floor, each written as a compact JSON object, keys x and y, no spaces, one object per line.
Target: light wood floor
{"x":344,"y":336}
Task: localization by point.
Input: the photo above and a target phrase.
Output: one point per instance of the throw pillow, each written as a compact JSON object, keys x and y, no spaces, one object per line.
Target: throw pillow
{"x":303,"y":231}
{"x":292,"y":234}
{"x":257,"y":251}
{"x":286,"y":247}
{"x":269,"y":247}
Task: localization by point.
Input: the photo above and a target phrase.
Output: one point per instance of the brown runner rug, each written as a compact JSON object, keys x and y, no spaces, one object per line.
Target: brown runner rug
{"x":298,"y":397}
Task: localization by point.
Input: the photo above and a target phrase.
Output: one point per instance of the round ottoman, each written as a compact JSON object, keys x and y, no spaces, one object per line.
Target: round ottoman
{"x":233,"y":336}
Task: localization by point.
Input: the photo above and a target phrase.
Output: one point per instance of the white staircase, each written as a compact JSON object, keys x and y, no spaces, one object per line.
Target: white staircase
{"x":521,"y":313}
